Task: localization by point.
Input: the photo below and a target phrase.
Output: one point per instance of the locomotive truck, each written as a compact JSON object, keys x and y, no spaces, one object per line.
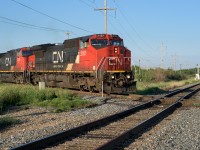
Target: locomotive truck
{"x":92,"y":63}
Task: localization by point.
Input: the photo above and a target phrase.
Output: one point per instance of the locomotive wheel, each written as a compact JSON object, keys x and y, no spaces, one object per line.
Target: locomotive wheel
{"x":81,"y":88}
{"x":17,"y":81}
{"x":92,"y":89}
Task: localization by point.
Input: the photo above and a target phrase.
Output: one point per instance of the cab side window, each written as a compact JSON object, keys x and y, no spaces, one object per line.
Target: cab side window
{"x":83,"y":44}
{"x":18,"y":53}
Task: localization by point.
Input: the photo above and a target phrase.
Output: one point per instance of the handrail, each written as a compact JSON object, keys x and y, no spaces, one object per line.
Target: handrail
{"x":100,"y":65}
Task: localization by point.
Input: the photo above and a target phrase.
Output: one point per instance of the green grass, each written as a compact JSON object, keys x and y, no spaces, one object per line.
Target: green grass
{"x":196,"y":105}
{"x":8,"y":121}
{"x":56,"y":99}
{"x":151,"y":91}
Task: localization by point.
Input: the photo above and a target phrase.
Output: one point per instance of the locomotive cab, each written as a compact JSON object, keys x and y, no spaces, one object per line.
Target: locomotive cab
{"x":113,"y":63}
{"x":25,"y":60}
{"x":111,"y":49}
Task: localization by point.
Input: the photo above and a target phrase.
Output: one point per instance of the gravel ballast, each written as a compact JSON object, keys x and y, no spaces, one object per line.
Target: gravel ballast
{"x":181,"y":131}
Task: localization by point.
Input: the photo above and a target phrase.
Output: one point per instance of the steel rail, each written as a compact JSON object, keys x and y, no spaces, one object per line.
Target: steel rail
{"x":53,"y":139}
{"x":180,"y":90}
{"x":147,"y":123}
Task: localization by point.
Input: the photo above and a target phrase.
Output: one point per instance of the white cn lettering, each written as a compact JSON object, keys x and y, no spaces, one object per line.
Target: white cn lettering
{"x":111,"y":61}
{"x":114,"y":61}
{"x":60,"y":56}
{"x":8,"y":61}
{"x":120,"y":61}
{"x":57,"y":57}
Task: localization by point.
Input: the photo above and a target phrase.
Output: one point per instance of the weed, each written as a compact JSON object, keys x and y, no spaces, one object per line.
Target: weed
{"x":196,"y":105}
{"x":151,"y":91}
{"x":7,"y":122}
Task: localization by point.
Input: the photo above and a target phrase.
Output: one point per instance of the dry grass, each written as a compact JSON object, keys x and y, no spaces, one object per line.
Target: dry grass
{"x":168,"y":101}
{"x":191,"y":103}
{"x":161,"y":87}
{"x":172,"y":85}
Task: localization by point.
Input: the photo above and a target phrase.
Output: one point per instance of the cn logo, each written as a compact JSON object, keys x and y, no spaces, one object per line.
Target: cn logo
{"x":8,"y":61}
{"x":57,"y":57}
{"x":112,"y":61}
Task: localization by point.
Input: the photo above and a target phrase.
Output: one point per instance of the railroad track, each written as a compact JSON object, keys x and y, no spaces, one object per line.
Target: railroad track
{"x":108,"y":132}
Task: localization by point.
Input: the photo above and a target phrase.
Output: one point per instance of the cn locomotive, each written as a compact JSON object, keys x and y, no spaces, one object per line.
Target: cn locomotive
{"x":92,"y":63}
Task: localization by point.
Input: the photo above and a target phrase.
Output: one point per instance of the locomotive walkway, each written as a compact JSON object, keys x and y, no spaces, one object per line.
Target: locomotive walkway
{"x":112,"y":130}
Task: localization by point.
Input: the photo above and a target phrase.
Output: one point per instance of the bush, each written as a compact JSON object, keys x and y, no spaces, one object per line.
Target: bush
{"x":17,"y":95}
{"x":175,"y":76}
{"x":9,"y":97}
{"x":159,"y":75}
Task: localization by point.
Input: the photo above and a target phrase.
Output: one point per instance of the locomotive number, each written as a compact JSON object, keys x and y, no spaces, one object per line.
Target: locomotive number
{"x":57,"y":56}
{"x":82,"y":53}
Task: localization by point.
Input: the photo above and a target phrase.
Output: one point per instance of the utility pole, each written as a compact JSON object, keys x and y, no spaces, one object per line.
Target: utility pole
{"x":197,"y":74}
{"x":174,"y":61}
{"x":68,"y":33}
{"x":105,"y":14}
{"x":139,"y":72}
{"x":162,"y":51}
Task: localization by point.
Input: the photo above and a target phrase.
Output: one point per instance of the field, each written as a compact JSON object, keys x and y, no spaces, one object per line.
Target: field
{"x":158,"y":81}
{"x":24,"y":95}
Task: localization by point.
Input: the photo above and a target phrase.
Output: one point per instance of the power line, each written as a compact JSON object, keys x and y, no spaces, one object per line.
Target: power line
{"x":133,"y":28}
{"x":99,"y":12}
{"x":64,"y":22}
{"x":23,"y":26}
{"x":110,"y":22}
{"x":132,"y":40}
{"x":130,"y":36}
{"x":122,"y":27}
{"x":91,"y":1}
{"x":86,"y":3}
{"x":30,"y":25}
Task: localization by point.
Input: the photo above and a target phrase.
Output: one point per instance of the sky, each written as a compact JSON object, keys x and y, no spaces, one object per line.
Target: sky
{"x":159,"y":33}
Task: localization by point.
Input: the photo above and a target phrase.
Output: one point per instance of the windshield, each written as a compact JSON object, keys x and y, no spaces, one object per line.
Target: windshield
{"x":26,"y":53}
{"x":116,"y":42}
{"x":99,"y":43}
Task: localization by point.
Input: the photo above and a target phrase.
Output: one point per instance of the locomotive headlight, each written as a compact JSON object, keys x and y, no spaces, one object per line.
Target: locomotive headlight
{"x":112,"y":76}
{"x":115,"y":49}
{"x":128,"y":76}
